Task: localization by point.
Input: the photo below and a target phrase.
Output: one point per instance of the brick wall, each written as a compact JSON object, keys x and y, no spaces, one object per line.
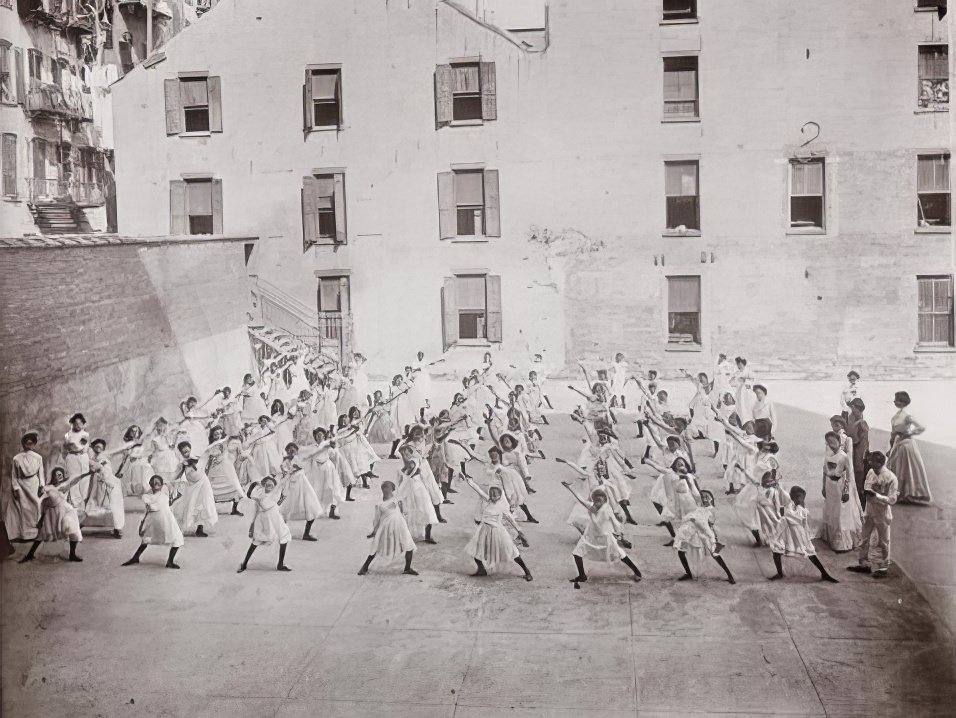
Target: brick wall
{"x":121,"y":333}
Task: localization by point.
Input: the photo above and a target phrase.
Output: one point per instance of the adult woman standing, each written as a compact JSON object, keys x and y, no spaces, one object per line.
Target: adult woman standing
{"x":743,"y":381}
{"x":904,"y":459}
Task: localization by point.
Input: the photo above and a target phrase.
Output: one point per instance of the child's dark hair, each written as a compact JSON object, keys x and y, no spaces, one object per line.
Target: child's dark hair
{"x":796,"y":491}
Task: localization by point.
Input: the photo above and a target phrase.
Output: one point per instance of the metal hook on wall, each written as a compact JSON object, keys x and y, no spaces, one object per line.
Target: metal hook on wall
{"x":803,"y":131}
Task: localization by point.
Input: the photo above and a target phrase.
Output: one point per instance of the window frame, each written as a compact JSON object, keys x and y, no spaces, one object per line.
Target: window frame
{"x":3,"y":166}
{"x":479,"y":232}
{"x":670,"y":344}
{"x":807,"y":229}
{"x":675,"y":116}
{"x":685,"y":16}
{"x":311,"y":71}
{"x":483,"y":313}
{"x":184,"y":108}
{"x":921,"y":223}
{"x":467,"y":95}
{"x":7,"y":62}
{"x":934,"y":105}
{"x":932,"y":344}
{"x":212,"y":210}
{"x":689,"y":231}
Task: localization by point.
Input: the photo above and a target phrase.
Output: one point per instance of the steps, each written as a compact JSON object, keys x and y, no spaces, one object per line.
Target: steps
{"x":60,"y":216}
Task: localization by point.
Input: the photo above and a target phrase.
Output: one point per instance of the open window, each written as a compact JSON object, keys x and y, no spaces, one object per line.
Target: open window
{"x":322,"y":98}
{"x":193,"y":104}
{"x":465,"y":93}
{"x":683,"y":311}
{"x":933,"y":194}
{"x":468,"y":204}
{"x":323,"y":209}
{"x":471,"y":309}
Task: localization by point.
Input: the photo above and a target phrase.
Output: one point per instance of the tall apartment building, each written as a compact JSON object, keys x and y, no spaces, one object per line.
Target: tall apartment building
{"x":670,"y":179}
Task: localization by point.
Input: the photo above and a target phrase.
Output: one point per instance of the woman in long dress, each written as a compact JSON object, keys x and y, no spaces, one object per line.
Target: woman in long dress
{"x":267,"y":527}
{"x":516,"y":493}
{"x":319,"y":466}
{"x":253,"y":401}
{"x":842,"y":523}
{"x":159,"y":526}
{"x":324,"y":410}
{"x":599,"y":542}
{"x":743,"y":381}
{"x":161,"y":453}
{"x":299,"y":500}
{"x":380,"y":428}
{"x":58,"y":519}
{"x":221,"y":470}
{"x":104,"y":506}
{"x":390,"y":536}
{"x":197,"y":507}
{"x":76,"y":458}
{"x":262,"y":445}
{"x":284,"y":434}
{"x":793,"y":537}
{"x":904,"y":458}
{"x":20,"y":497}
{"x":416,"y":500}
{"x":491,"y":544}
{"x":231,"y":412}
{"x":359,"y":454}
{"x":134,"y":470}
{"x":195,"y":423}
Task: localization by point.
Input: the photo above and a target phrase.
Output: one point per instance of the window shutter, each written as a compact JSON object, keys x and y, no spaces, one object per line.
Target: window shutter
{"x":338,"y":97}
{"x":214,"y":91}
{"x":449,"y":308}
{"x":18,"y":62}
{"x":338,"y":204}
{"x":174,"y":108}
{"x":310,"y":212}
{"x":489,"y":105}
{"x":493,"y":307}
{"x":492,"y":210}
{"x":177,"y":207}
{"x":307,"y":102}
{"x":9,"y":160}
{"x":444,"y":106}
{"x":447,"y":211}
{"x":217,"y":206}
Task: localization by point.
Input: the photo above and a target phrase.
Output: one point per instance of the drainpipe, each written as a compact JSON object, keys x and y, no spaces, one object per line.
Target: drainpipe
{"x":149,"y":28}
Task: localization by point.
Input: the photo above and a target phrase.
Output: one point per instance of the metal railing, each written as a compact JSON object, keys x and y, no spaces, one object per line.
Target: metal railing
{"x":82,"y":193}
{"x":47,"y":98}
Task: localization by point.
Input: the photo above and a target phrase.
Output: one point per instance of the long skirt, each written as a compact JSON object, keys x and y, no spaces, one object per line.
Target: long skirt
{"x":159,"y":528}
{"x":392,"y":537}
{"x":20,"y":515}
{"x":196,"y":507}
{"x":598,"y":548}
{"x":842,"y":524}
{"x":60,"y":523}
{"x":491,"y":545}
{"x":137,"y":476}
{"x":301,"y":502}
{"x":225,"y":481}
{"x":325,"y":483}
{"x":906,"y":462}
{"x":268,"y":528}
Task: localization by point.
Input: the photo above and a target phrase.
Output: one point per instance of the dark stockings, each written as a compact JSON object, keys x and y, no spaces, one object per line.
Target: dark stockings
{"x":524,"y":567}
{"x":631,"y":565}
{"x":135,"y":559}
{"x":348,"y":493}
{"x":683,"y":562}
{"x":307,"y":534}
{"x":171,"y":559}
{"x":527,"y":514}
{"x":756,"y":535}
{"x":391,"y":454}
{"x":581,"y":577}
{"x":281,"y":565}
{"x":627,"y":513}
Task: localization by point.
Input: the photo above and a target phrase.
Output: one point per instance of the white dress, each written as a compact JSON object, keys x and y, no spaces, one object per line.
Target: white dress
{"x":197,"y":505}
{"x":392,"y":537}
{"x":793,"y":534}
{"x":416,"y":502}
{"x":284,"y":429}
{"x":20,"y":515}
{"x":159,"y":527}
{"x":222,"y":475}
{"x":511,"y":484}
{"x":597,"y":543}
{"x":267,"y":526}
{"x":320,"y":470}
{"x":265,"y":453}
{"x":357,"y":452}
{"x":76,"y":462}
{"x":842,"y":524}
{"x":300,"y":502}
{"x":60,"y":520}
{"x":104,"y":507}
{"x":138,"y":472}
{"x":253,"y":405}
{"x":162,"y":457}
{"x":744,"y":381}
{"x":491,"y":543}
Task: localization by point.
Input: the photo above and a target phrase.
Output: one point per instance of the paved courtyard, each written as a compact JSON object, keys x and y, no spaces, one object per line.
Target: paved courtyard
{"x":95,"y":639}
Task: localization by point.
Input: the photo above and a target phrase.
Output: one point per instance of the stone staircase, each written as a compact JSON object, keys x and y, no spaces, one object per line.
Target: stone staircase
{"x":60,"y":216}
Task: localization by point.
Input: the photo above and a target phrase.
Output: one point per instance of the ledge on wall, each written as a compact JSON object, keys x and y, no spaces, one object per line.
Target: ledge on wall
{"x":103,"y":240}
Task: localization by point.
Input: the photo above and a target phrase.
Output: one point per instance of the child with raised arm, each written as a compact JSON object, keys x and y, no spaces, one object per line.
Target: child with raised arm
{"x":267,"y":525}
{"x":321,"y":471}
{"x":491,"y":543}
{"x":197,"y":508}
{"x":770,"y":503}
{"x":159,"y":527}
{"x":58,"y":519}
{"x":793,"y":536}
{"x":695,"y":536}
{"x":511,"y":483}
{"x":414,"y":495}
{"x":299,"y":501}
{"x":390,"y":536}
{"x":599,"y":542}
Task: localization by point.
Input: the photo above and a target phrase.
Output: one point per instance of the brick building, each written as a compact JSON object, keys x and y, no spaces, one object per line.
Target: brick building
{"x":669,"y":179}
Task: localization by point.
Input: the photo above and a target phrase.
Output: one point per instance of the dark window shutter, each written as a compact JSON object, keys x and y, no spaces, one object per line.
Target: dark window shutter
{"x":449,"y":309}
{"x":217,"y":206}
{"x":9,"y":160}
{"x":214,"y":91}
{"x":18,"y":62}
{"x":338,"y":96}
{"x":177,"y":207}
{"x":493,"y":307}
{"x":307,"y":103}
{"x":310,"y":213}
{"x":489,"y":102}
{"x":338,"y":204}
{"x":492,"y":211}
{"x":447,"y":211}
{"x":444,"y":107}
{"x":174,"y":108}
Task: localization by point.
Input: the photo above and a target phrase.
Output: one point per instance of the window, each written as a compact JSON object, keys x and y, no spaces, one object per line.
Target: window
{"x":683,"y":198}
{"x":195,"y":206}
{"x":807,"y":187}
{"x":933,"y":76}
{"x":468,"y":204}
{"x":8,"y":93}
{"x":933,"y":201}
{"x":683,"y":311}
{"x":193,"y":104}
{"x":465,"y":92}
{"x":680,"y":87}
{"x":56,"y":72}
{"x":680,"y":9}
{"x":323,"y":208}
{"x":9,"y":160}
{"x":935,"y":311}
{"x":471,"y":308}
{"x":323,"y":98}
{"x":35,"y":60}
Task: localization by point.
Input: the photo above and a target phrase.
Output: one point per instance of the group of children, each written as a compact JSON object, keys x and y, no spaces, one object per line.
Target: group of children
{"x":297,"y":440}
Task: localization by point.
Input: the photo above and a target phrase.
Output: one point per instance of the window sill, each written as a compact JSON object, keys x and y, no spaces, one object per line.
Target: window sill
{"x":470,"y":240}
{"x":683,"y":348}
{"x":931,"y":349}
{"x":324,"y":128}
{"x":466,"y":123}
{"x":203,"y":133}
{"x":680,"y":21}
{"x":933,"y":230}
{"x":917,"y":8}
{"x":472,"y":343}
{"x":15,"y":200}
{"x":930,"y":110}
{"x":810,"y":231}
{"x":670,"y":120}
{"x":676,"y":233}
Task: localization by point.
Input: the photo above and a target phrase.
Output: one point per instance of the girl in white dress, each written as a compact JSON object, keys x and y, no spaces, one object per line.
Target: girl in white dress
{"x":793,"y":537}
{"x":76,"y":458}
{"x":722,"y":373}
{"x":159,"y":527}
{"x":743,"y":382}
{"x":267,"y":525}
{"x":134,"y":469}
{"x":265,"y":454}
{"x":253,"y":400}
{"x":221,"y":470}
{"x":194,"y":425}
{"x":319,"y":464}
{"x":283,"y":426}
{"x":197,"y":507}
{"x":842,"y":524}
{"x":162,"y":455}
{"x":58,"y":520}
{"x":231,"y":412}
{"x":380,"y":428}
{"x":299,"y":501}
{"x":681,"y":492}
{"x":356,"y":447}
{"x":390,"y":536}
{"x":20,"y":497}
{"x":412,"y":492}
{"x":695,"y":536}
{"x":511,"y":483}
{"x":491,"y":543}
{"x":300,"y":413}
{"x":770,"y":504}
{"x":599,"y":542}
{"x":418,"y":441}
{"x":104,"y":503}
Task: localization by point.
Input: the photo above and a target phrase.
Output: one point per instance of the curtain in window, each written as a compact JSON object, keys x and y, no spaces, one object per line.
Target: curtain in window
{"x":680,"y":179}
{"x":465,"y":78}
{"x":683,"y":294}
{"x":933,"y":62}
{"x":807,"y":178}
{"x":194,"y":93}
{"x":324,"y":85}
{"x":199,"y":198}
{"x":469,"y":189}
{"x":470,"y":292}
{"x":933,"y":174}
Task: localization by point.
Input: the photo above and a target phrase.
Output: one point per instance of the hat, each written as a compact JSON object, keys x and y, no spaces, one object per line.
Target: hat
{"x":857,"y":403}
